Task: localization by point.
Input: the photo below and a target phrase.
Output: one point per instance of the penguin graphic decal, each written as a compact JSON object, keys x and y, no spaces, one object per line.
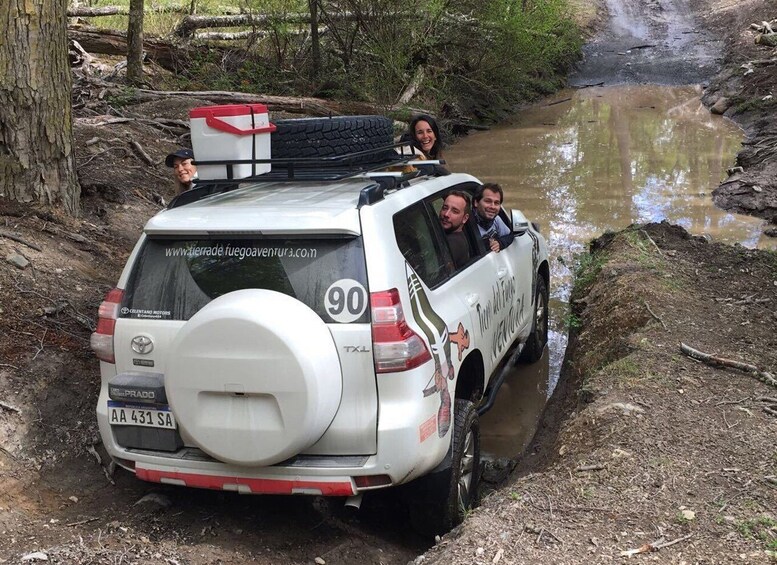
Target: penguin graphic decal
{"x":436,"y":332}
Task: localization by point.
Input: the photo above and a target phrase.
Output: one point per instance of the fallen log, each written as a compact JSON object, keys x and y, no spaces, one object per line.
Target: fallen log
{"x":189,"y":24}
{"x":114,"y":42}
{"x":292,"y":104}
{"x":713,"y":361}
{"x":88,"y":12}
{"x":413,"y":87}
{"x":227,"y":36}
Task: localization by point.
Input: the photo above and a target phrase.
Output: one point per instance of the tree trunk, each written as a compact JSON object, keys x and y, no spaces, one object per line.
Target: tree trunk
{"x":315,"y":44}
{"x":135,"y":43}
{"x":36,"y":126}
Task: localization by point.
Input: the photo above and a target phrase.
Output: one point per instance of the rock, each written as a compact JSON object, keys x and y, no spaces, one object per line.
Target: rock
{"x":768,"y":39}
{"x":479,"y":551}
{"x":735,"y":170}
{"x":78,"y":238}
{"x":319,"y":561}
{"x":688,"y":515}
{"x":36,"y":556}
{"x":721,"y":105}
{"x":624,"y":407}
{"x":17,"y":260}
{"x":153,"y":498}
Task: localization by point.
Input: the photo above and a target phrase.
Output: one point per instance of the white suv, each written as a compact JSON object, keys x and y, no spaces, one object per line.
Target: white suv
{"x":305,"y":332}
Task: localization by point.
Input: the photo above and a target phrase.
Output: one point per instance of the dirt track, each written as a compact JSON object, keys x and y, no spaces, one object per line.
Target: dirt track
{"x":702,"y":441}
{"x":657,"y":41}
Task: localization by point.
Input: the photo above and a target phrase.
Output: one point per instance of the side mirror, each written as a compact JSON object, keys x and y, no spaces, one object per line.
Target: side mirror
{"x":520,"y":223}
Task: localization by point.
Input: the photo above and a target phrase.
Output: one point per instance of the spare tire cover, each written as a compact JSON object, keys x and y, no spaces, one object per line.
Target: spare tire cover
{"x":254,"y":377}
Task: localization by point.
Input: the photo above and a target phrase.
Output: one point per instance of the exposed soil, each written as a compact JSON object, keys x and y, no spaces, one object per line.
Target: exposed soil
{"x":642,"y":443}
{"x":661,"y":434}
{"x":746,"y":91}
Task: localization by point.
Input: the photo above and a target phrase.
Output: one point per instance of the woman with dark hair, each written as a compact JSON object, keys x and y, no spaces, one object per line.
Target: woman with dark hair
{"x":425,"y":136}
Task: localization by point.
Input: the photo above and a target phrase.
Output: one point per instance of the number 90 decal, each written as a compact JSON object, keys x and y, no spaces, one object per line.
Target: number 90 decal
{"x":345,"y":300}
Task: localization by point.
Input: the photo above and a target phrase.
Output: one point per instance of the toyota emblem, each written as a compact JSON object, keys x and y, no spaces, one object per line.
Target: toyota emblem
{"x":142,"y":344}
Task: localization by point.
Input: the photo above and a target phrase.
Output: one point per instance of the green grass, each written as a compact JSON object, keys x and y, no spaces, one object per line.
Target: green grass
{"x":755,"y":104}
{"x":624,"y":367}
{"x":572,"y":322}
{"x":588,"y":268}
{"x":763,"y":528}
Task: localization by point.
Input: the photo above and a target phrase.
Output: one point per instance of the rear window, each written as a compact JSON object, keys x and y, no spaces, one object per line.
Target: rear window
{"x":174,"y":278}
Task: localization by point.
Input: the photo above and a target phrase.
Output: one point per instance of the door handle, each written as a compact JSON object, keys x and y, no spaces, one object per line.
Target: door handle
{"x":472,"y":299}
{"x":500,"y":274}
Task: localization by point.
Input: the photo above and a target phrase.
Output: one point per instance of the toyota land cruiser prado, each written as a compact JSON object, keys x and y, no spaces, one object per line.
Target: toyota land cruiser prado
{"x":304,"y":330}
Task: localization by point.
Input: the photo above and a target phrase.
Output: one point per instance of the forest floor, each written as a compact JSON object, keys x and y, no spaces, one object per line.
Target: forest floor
{"x":642,"y":448}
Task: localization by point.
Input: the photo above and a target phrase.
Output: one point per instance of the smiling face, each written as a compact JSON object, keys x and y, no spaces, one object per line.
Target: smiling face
{"x":453,"y":213}
{"x":184,"y":169}
{"x":488,"y":206}
{"x":424,"y":135}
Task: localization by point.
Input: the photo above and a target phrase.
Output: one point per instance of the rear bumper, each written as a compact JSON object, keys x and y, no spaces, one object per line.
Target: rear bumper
{"x":253,"y":483}
{"x":407,"y":447}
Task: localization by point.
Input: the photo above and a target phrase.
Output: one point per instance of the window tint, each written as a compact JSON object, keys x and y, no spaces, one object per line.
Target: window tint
{"x":174,"y":278}
{"x":419,"y":239}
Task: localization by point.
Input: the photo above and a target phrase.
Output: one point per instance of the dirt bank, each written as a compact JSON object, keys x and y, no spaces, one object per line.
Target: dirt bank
{"x":746,"y":90}
{"x":643,"y":443}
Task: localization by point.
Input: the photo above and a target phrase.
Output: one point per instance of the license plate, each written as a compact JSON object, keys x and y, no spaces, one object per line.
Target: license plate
{"x":147,"y":416}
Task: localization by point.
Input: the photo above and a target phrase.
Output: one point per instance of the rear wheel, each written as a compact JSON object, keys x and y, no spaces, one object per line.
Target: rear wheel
{"x":441,"y":501}
{"x":538,"y":338}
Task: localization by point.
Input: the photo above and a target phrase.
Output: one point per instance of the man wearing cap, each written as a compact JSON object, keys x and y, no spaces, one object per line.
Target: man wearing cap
{"x":185,"y":171}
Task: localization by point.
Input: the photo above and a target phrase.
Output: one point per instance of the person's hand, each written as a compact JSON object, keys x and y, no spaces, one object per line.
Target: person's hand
{"x":494,"y":244}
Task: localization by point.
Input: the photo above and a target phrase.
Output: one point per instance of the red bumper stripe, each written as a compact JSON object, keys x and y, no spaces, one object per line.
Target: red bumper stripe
{"x":257,"y":486}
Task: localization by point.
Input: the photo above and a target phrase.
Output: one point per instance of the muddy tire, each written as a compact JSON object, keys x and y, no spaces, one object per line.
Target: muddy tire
{"x":538,"y":338}
{"x":333,"y":137}
{"x":442,"y":500}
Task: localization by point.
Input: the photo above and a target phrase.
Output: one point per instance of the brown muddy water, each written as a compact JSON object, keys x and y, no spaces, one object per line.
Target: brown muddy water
{"x":593,"y":160}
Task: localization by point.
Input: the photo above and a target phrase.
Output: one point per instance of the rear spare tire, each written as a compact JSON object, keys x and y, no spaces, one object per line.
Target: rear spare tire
{"x":333,"y":137}
{"x":253,"y":378}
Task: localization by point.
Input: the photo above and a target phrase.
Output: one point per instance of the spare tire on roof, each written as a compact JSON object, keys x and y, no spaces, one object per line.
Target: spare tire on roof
{"x":333,"y":137}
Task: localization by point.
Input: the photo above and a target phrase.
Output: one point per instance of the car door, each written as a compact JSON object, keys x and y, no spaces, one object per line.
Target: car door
{"x":485,"y":285}
{"x":436,"y":305}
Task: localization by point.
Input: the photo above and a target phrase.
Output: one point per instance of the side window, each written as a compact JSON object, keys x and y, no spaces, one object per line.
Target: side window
{"x":418,"y":239}
{"x":471,"y":240}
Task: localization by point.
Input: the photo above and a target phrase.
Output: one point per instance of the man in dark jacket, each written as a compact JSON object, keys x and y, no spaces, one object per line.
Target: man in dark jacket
{"x":453,"y":215}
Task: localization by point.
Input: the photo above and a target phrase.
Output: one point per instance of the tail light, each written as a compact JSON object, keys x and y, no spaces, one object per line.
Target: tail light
{"x":396,"y":347}
{"x":102,"y":338}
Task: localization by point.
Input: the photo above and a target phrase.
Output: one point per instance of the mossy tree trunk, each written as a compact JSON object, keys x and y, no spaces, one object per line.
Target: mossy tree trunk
{"x":135,"y":43}
{"x":36,"y":126}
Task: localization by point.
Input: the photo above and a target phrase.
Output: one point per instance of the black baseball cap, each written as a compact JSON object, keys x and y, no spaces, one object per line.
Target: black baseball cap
{"x":180,"y":154}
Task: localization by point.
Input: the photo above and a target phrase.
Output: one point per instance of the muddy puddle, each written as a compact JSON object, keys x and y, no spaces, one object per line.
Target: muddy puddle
{"x":593,"y":160}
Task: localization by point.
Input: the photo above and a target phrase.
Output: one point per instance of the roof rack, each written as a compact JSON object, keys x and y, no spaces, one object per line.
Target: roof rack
{"x":332,"y":168}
